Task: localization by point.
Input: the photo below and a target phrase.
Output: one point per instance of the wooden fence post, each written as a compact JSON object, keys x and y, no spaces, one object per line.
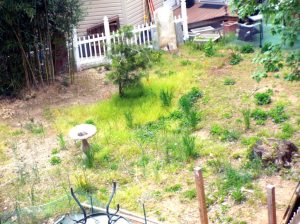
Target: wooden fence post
{"x":271,"y":204}
{"x":107,"y":33}
{"x":201,"y":195}
{"x":75,"y":50}
{"x":185,"y":20}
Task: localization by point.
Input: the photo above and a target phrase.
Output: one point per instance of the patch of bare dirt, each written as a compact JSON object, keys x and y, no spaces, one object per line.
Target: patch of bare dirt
{"x":90,"y":86}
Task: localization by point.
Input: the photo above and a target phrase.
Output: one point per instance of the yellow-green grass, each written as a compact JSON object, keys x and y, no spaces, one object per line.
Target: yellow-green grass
{"x":122,"y":152}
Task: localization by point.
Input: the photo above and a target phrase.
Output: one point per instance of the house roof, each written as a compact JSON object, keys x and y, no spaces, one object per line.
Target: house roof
{"x":196,"y":14}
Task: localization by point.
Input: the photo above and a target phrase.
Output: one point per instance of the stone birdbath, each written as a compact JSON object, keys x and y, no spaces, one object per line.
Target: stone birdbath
{"x":83,"y":132}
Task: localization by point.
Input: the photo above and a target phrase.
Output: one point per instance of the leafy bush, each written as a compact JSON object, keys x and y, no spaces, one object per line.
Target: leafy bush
{"x":129,"y":119}
{"x":55,"y":160}
{"x":259,"y":115}
{"x":189,"y":146}
{"x":235,"y":59}
{"x":185,"y":62}
{"x":258,"y":76}
{"x":229,"y":82}
{"x":262,"y":98}
{"x":266,"y":47}
{"x":278,"y":114}
{"x":271,"y":59}
{"x":293,"y":62}
{"x":246,"y":49}
{"x":209,"y":49}
{"x":166,"y":97}
{"x":246,"y":114}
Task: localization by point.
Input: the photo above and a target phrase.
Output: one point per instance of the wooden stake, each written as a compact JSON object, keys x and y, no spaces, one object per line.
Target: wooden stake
{"x":201,"y":195}
{"x":271,"y":204}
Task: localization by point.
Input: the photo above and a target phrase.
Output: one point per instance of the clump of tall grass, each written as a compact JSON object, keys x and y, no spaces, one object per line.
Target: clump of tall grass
{"x":189,"y":146}
{"x":166,"y":97}
{"x":246,"y":115}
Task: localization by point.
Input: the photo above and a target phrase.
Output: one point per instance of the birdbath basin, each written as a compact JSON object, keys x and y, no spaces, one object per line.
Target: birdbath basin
{"x":83,"y":132}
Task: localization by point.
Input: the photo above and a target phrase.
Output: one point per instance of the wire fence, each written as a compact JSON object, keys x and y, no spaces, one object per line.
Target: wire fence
{"x":49,"y":212}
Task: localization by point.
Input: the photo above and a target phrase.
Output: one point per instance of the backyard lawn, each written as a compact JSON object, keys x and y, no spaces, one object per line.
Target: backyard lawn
{"x":196,"y":108}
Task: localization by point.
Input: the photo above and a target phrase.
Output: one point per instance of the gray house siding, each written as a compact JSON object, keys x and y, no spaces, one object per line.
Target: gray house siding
{"x":129,"y":12}
{"x":95,"y":10}
{"x":135,"y":12}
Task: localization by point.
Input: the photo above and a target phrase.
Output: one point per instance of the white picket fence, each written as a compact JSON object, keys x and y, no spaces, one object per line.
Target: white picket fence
{"x":93,"y":49}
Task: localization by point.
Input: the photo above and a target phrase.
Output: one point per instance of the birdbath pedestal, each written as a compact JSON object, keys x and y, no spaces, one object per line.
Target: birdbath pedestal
{"x":83,"y":132}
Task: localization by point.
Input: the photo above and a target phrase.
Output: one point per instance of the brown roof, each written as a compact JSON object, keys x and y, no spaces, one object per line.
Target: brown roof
{"x":196,"y":14}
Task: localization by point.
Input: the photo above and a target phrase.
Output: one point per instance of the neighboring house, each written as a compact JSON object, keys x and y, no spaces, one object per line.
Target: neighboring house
{"x":119,"y":12}
{"x":208,"y":13}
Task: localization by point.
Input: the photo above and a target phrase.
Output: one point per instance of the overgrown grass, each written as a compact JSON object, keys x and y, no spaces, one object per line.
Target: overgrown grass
{"x":149,"y":145}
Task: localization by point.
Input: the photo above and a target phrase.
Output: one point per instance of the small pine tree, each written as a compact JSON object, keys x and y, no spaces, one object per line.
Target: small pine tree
{"x":129,"y":61}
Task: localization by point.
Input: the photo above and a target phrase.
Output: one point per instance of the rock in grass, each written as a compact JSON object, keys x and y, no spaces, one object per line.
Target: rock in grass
{"x":275,"y":151}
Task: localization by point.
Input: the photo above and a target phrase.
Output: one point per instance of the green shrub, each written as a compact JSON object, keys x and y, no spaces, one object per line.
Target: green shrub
{"x":185,"y":62}
{"x":187,"y":101}
{"x":250,"y":141}
{"x":262,"y":98}
{"x":258,"y":76}
{"x":129,"y":119}
{"x":260,"y":116}
{"x":271,"y":59}
{"x":61,"y":141}
{"x":229,"y":82}
{"x":278,"y":114}
{"x":130,"y":62}
{"x":238,"y":196}
{"x":89,"y":121}
{"x":287,"y":131}
{"x":166,"y":97}
{"x":293,"y":62}
{"x":235,"y":59}
{"x":174,"y":188}
{"x":234,"y":180}
{"x":55,"y":160}
{"x":216,"y":130}
{"x":246,"y":49}
{"x":189,"y":146}
{"x":246,"y":114}
{"x":224,"y":134}
{"x":209,"y":49}
{"x":190,"y":194}
{"x":266,"y":47}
